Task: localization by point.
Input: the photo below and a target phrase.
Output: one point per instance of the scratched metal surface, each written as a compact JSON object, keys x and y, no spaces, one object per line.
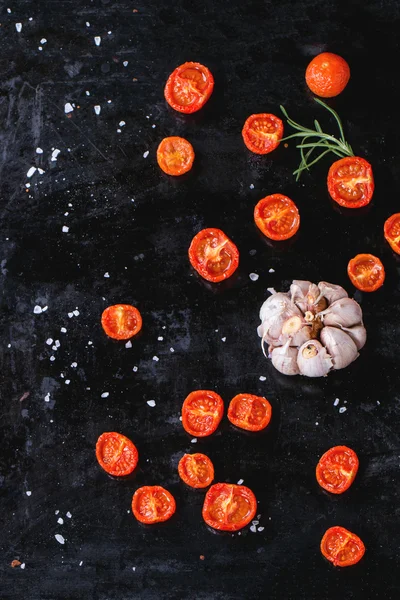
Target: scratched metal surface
{"x":127,"y":219}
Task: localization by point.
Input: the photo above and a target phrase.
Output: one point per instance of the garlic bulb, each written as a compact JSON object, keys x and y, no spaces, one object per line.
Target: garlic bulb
{"x":313,"y":360}
{"x":284,"y":359}
{"x":340,"y":346}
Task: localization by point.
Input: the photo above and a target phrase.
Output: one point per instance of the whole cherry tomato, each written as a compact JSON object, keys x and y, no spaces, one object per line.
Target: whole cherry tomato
{"x":327,"y":75}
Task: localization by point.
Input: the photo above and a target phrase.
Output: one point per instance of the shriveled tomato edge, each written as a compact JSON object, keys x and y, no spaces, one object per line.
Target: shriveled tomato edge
{"x":259,"y":221}
{"x":182,"y":472}
{"x":106,"y":329}
{"x":370,"y":186}
{"x":201,"y":269}
{"x":206,"y":96}
{"x":106,"y":467}
{"x":319,"y":470}
{"x":247,"y":140}
{"x":182,"y":170}
{"x":353,"y":279}
{"x":332,"y":559}
{"x":217,"y":419}
{"x":150,"y":488}
{"x":239,"y":423}
{"x":221,"y":526}
{"x":395,"y":246}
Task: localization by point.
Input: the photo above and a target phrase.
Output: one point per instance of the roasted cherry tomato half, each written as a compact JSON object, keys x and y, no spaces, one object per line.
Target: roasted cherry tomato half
{"x":121,"y":321}
{"x":202,"y":412}
{"x":277,"y":217}
{"x":196,"y":470}
{"x":214,"y":256}
{"x":189,"y":87}
{"x":366,"y":272}
{"x":351,"y":182}
{"x":327,"y":75}
{"x":116,"y":454}
{"x":229,"y":507}
{"x":337,"y":469}
{"x":341,"y":547}
{"x":392,"y":232}
{"x":249,"y":412}
{"x":175,"y":155}
{"x":153,"y":504}
{"x":262,"y":133}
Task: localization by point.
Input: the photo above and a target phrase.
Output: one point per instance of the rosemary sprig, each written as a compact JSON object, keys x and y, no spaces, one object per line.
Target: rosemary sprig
{"x":316,"y":138}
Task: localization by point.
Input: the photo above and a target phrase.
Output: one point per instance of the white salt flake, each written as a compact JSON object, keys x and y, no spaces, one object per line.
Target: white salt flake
{"x":171,"y":350}
{"x":97,"y":109}
{"x":252,"y":186}
{"x":68,"y":108}
{"x":253,"y":528}
{"x":134,"y":369}
{"x":70,"y":314}
{"x":81,"y":563}
{"x":223,"y":339}
{"x":60,"y":521}
{"x":40,"y":48}
{"x":378,"y":403}
{"x":52,"y":358}
{"x":105,"y":394}
{"x":87,"y":93}
{"x":74,"y":365}
{"x":240,"y":481}
{"x":271,"y":271}
{"x":160,"y":338}
{"x":54,"y":347}
{"x":76,"y":313}
{"x":67,"y":381}
{"x":153,"y":126}
{"x":107,"y":275}
{"x":40,"y":171}
{"x":336,"y":402}
{"x":145,"y":154}
{"x":9,"y":10}
{"x":194,"y":441}
{"x":18,"y":27}
{"x":28,"y":493}
{"x":155,"y":358}
{"x":87,"y":24}
{"x":56,"y":512}
{"x":65,"y":229}
{"x":49,"y":341}
{"x":261,"y":529}
{"x":44,"y":308}
{"x":121,"y":123}
{"x":47,"y":397}
{"x":316,"y":423}
{"x":97,"y":40}
{"x":133,"y":568}
{"x":342,"y":409}
{"x":63,"y":330}
{"x":125,"y":63}
{"x":90,"y":344}
{"x":37,"y":309}
{"x":262,"y":378}
{"x":151,"y":403}
{"x":39,"y":150}
{"x":31,"y":171}
{"x":43,"y":41}
{"x":55,"y":154}
{"x":22,"y":566}
{"x":60,"y":539}
{"x":254,"y":276}
{"x":68,"y":514}
{"x":57,"y":343}
{"x":128,"y":344}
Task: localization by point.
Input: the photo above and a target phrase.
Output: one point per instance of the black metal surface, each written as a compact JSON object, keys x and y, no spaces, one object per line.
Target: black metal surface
{"x":128,"y":219}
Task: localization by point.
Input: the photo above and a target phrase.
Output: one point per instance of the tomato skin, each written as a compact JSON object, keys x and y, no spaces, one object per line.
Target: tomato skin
{"x":153,"y":504}
{"x":189,"y":87}
{"x":366,"y":272}
{"x":330,"y":467}
{"x":175,"y":155}
{"x":116,"y":454}
{"x":196,"y":470}
{"x":392,"y":232}
{"x":121,"y":321}
{"x":213,"y":255}
{"x":229,"y":507}
{"x":277,"y":217}
{"x":249,"y":412}
{"x":262,"y":133}
{"x":327,"y":75}
{"x":202,"y":412}
{"x":351,"y":182}
{"x":341,"y":547}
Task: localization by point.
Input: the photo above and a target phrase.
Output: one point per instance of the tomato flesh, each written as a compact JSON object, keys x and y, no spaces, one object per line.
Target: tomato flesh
{"x":196,"y":470}
{"x":214,"y":256}
{"x":202,"y":412}
{"x":249,"y":412}
{"x":351,"y":182}
{"x":153,"y":504}
{"x":392,"y":232}
{"x":189,"y":87}
{"x":366,"y":272}
{"x":262,"y":133}
{"x":229,"y":507}
{"x":336,"y":469}
{"x":277,"y":217}
{"x":116,"y":454}
{"x":175,"y":155}
{"x":341,"y":547}
{"x":121,"y":321}
{"x":327,"y":75}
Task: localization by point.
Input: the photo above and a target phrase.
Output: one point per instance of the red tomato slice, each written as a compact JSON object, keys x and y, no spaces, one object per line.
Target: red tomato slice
{"x":202,"y":412}
{"x":351,"y":182}
{"x":262,"y":133}
{"x":366,"y":272}
{"x":116,"y":454}
{"x":229,"y":507}
{"x":277,"y":217}
{"x":121,"y":321}
{"x":214,"y":256}
{"x":153,"y":504}
{"x":175,"y":155}
{"x":392,"y":232}
{"x":196,"y":470}
{"x":337,"y":469}
{"x":341,"y":547}
{"x":189,"y":87}
{"x":249,"y":412}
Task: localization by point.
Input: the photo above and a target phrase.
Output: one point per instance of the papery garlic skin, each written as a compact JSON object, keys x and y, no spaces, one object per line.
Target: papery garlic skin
{"x":284,"y":359}
{"x":340,"y":347}
{"x":313,"y":360}
{"x":274,"y":313}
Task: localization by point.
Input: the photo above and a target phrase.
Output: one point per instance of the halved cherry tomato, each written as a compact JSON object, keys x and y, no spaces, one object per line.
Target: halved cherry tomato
{"x":337,"y":469}
{"x":277,"y":217}
{"x":341,"y":547}
{"x":202,"y":412}
{"x":153,"y":504}
{"x":121,"y":321}
{"x":229,"y":507}
{"x":351,"y":182}
{"x":327,"y":75}
{"x":366,"y":272}
{"x":262,"y":133}
{"x":214,"y":256}
{"x":189,"y":87}
{"x":116,"y":454}
{"x":249,"y":412}
{"x":392,"y":232}
{"x":196,"y":470}
{"x":175,"y":155}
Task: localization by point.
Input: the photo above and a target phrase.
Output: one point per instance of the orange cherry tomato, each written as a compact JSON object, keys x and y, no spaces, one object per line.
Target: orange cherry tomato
{"x":277,"y":217}
{"x":202,"y":412}
{"x":153,"y":504}
{"x":249,"y":412}
{"x":116,"y":454}
{"x":214,"y":256}
{"x":341,"y":547}
{"x":351,"y":182}
{"x":175,"y":155}
{"x":366,"y":272}
{"x":337,"y":469}
{"x":189,"y":87}
{"x":327,"y":75}
{"x":121,"y":321}
{"x":262,"y":133}
{"x":392,"y":232}
{"x":229,"y":507}
{"x":196,"y":470}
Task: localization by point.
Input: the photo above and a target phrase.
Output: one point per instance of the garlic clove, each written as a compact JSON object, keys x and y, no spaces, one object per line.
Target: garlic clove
{"x":313,"y":359}
{"x":331,"y":291}
{"x":307,"y":296}
{"x":274,"y":305}
{"x":358,"y":334}
{"x":340,"y":346}
{"x":274,"y":313}
{"x":345,"y":312}
{"x":284,"y":359}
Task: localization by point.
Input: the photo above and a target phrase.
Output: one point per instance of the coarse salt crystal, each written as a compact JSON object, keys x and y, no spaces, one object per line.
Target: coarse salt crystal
{"x":194,"y":441}
{"x":81,"y":563}
{"x":67,"y":381}
{"x":28,"y":493}
{"x":87,"y":24}
{"x":378,"y":403}
{"x":342,"y":409}
{"x":128,"y":344}
{"x":70,"y":314}
{"x":55,"y":154}
{"x":31,"y":171}
{"x":40,"y":171}
{"x":271,"y":271}
{"x":121,"y":123}
{"x":39,"y":150}
{"x":171,"y":350}
{"x":251,"y":186}
{"x":261,"y":529}
{"x":52,"y":358}
{"x":37,"y":309}
{"x":134,"y":369}
{"x":60,"y":521}
{"x":63,"y":330}
{"x":107,"y":274}
{"x":151,"y":403}
{"x":54,"y":347}
{"x":125,"y":63}
{"x":44,"y":308}
{"x":68,"y":108}
{"x":65,"y":229}
{"x":254,"y":276}
{"x":240,"y":481}
{"x":43,"y":41}
{"x":97,"y":40}
{"x":68,"y":514}
{"x":336,"y":402}
{"x":60,"y":539}
{"x":18,"y":27}
{"x":47,"y":397}
{"x":262,"y":378}
{"x":105,"y":394}
{"x":160,"y":338}
{"x":97,"y":109}
{"x":145,"y":154}
{"x":56,"y":512}
{"x":76,"y":312}
{"x":253,"y":528}
{"x":49,"y":341}
{"x":87,"y":93}
{"x":23,"y":566}
{"x":57,"y":343}
{"x":223,"y":339}
{"x":9,"y":10}
{"x":155,"y":358}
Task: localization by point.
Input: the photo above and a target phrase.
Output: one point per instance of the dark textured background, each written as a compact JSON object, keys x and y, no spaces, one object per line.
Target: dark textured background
{"x":129,"y":219}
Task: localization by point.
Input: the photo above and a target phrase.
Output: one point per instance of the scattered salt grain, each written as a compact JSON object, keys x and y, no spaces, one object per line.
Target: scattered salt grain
{"x":55,"y":154}
{"x":121,"y":123}
{"x":223,"y":339}
{"x":76,"y":312}
{"x":49,"y":341}
{"x":43,"y":41}
{"x":145,"y":154}
{"x":171,"y":350}
{"x":68,"y":108}
{"x":251,"y":186}
{"x":240,"y":481}
{"x":97,"y":40}
{"x":378,"y":403}
{"x":39,"y":150}
{"x":68,"y":514}
{"x":40,"y":48}
{"x":107,"y":275}
{"x":342,"y":409}
{"x":160,"y":338}
{"x":155,"y":358}
{"x":60,"y":539}
{"x":316,"y":422}
{"x":57,"y":343}
{"x":23,"y":566}
{"x":67,"y":381}
{"x":271,"y":271}
{"x":44,"y":308}
{"x":105,"y":394}
{"x":81,"y":563}
{"x":65,"y":229}
{"x":63,"y":330}
{"x":253,"y":276}
{"x":60,"y":521}
{"x":194,"y":441}
{"x":70,"y":314}
{"x":151,"y":403}
{"x":336,"y":402}
{"x":262,"y":378}
{"x":260,"y":529}
{"x":54,"y":347}
{"x":134,"y":369}
{"x":253,"y":528}
{"x":52,"y":358}
{"x":28,"y":493}
{"x":56,"y":512}
{"x":87,"y":24}
{"x":37,"y":309}
{"x":40,"y":171}
{"x":128,"y":344}
{"x":31,"y":171}
{"x":9,"y":10}
{"x":47,"y":398}
{"x":125,"y":63}
{"x":97,"y":109}
{"x":87,"y":93}
{"x":90,"y":344}
{"x":18,"y":27}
